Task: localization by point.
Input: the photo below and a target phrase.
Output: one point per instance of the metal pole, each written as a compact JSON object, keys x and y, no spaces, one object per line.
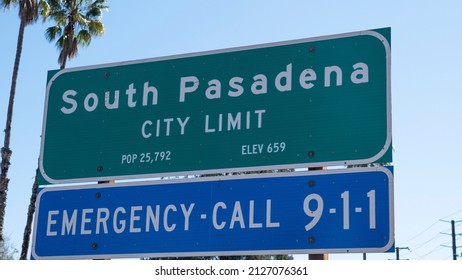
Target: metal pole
{"x":453,"y":235}
{"x":317,"y":256}
{"x":454,"y":247}
{"x":397,"y":251}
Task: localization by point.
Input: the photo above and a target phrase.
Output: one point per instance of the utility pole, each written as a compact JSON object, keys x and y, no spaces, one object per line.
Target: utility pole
{"x":453,"y":234}
{"x":397,"y":251}
{"x":454,"y":246}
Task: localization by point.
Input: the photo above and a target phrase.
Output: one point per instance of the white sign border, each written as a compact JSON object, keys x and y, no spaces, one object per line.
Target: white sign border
{"x":388,"y":246}
{"x":386,"y":147}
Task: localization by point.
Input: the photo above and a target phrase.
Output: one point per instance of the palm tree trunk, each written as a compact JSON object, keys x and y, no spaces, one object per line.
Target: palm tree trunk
{"x":6,"y":151}
{"x":63,"y":64}
{"x":30,"y":217}
{"x":33,"y":199}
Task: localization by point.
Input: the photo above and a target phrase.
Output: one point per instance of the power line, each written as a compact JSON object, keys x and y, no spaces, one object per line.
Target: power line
{"x":458,"y":211}
{"x":451,"y":256}
{"x":422,"y":232}
{"x":434,"y":250}
{"x":411,"y":252}
{"x":422,"y":244}
{"x":437,"y":248}
{"x":429,"y":227}
{"x":413,"y":249}
{"x":459,"y":225}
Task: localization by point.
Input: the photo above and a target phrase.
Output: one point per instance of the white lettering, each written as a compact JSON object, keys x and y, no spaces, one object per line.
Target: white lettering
{"x":237,"y":216}
{"x":361,"y":73}
{"x":306,"y":77}
{"x":207,"y":129}
{"x":187,"y":213}
{"x":168,"y":227}
{"x":102,"y":220}
{"x":252,"y":224}
{"x":259,"y":114}
{"x":260,"y":84}
{"x":134,"y":218}
{"x":149,"y":89}
{"x":182,"y":124}
{"x":234,"y":123}
{"x":152,"y":218}
{"x":167,"y":128}
{"x":217,"y":225}
{"x":269,"y":223}
{"x":184,"y":89}
{"x":214,"y":90}
{"x":235,"y":83}
{"x":85,"y":221}
{"x":247,"y":120}
{"x":327,"y":75}
{"x":285,"y":76}
{"x":69,"y":225}
{"x":143,"y":129}
{"x":118,"y":225}
{"x":130,"y":92}
{"x":68,"y":100}
{"x":113,"y":105}
{"x":86,"y":103}
{"x":146,"y":126}
{"x":51,"y":222}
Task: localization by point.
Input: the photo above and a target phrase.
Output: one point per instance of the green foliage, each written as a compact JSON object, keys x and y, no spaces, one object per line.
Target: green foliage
{"x":261,"y":257}
{"x":76,"y":23}
{"x":7,"y":251}
{"x":370,"y":165}
{"x":28,"y":9}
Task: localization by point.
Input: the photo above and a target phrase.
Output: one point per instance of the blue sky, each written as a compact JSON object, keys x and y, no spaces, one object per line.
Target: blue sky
{"x":426,"y":88}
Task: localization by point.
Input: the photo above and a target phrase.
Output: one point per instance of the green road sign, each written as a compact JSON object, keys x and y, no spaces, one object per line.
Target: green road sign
{"x":313,"y":102}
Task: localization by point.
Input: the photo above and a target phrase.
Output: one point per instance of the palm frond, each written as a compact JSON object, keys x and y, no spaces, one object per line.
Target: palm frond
{"x":94,"y":10}
{"x":28,"y":11}
{"x":8,"y":3}
{"x":76,"y":23}
{"x":44,"y":10}
{"x":84,"y":37}
{"x":96,"y":28}
{"x":60,"y":42}
{"x":60,"y":17}
{"x":80,"y":20}
{"x":51,"y":33}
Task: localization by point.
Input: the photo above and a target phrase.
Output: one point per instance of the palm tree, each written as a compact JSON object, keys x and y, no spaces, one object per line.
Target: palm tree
{"x":7,"y":252}
{"x":77,"y":21}
{"x":28,"y":14}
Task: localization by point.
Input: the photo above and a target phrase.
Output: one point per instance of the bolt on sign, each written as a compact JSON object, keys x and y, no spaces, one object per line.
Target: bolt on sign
{"x":313,"y":102}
